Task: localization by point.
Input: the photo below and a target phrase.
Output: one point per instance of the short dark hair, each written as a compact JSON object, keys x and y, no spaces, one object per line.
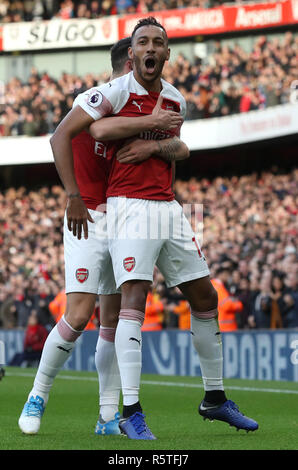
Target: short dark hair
{"x":149,"y":21}
{"x":119,"y":54}
{"x":223,"y":269}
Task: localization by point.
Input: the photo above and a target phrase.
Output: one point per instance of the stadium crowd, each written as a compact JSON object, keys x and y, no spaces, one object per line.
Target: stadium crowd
{"x":232,"y":81}
{"x":250,"y":227}
{"x":31,"y":10}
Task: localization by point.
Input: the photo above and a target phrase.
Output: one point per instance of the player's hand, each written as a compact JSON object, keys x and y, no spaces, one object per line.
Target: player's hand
{"x":136,"y":151}
{"x":166,"y":119}
{"x":77,"y":217}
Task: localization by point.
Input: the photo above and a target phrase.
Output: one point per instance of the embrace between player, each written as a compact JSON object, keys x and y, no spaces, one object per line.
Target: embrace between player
{"x":138,"y":185}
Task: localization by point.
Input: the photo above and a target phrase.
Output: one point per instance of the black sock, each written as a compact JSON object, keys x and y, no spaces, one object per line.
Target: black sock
{"x":131,"y":409}
{"x":215,"y":397}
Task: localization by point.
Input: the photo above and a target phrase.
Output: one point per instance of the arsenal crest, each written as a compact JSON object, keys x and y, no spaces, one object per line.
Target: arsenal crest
{"x":129,"y":263}
{"x":82,"y":275}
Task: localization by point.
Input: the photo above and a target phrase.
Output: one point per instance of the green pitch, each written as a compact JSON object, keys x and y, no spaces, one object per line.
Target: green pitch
{"x":170,"y":404}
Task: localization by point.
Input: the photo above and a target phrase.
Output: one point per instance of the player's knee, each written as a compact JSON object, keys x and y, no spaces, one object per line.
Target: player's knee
{"x":79,"y":310}
{"x":77,"y":320}
{"x":134,"y":295}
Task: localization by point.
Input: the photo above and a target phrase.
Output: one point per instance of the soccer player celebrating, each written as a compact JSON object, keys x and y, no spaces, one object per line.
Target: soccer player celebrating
{"x":83,"y":165}
{"x":136,"y":195}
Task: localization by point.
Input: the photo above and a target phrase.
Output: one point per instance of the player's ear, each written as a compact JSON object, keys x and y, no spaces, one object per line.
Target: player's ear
{"x":130,"y":53}
{"x":168,"y":54}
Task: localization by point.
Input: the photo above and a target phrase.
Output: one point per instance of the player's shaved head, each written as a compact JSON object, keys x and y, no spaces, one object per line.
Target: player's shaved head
{"x":119,"y":54}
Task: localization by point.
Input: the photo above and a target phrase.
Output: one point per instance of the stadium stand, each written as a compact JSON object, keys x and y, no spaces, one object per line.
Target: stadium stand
{"x":29,"y":10}
{"x":250,"y":226}
{"x":250,"y":222}
{"x":233,"y":81}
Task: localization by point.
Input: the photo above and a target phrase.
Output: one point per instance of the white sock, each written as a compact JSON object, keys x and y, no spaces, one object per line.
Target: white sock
{"x":56,"y":351}
{"x":129,"y":355}
{"x":108,"y":373}
{"x":207,"y":342}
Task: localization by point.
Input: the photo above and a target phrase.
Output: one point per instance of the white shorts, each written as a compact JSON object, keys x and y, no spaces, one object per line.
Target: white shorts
{"x":88,"y":265}
{"x":144,"y":233}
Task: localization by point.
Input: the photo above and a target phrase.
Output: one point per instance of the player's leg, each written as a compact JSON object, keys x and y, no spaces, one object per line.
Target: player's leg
{"x":61,"y":341}
{"x":183,"y":264}
{"x":133,"y":263}
{"x":56,"y":351}
{"x":128,"y":343}
{"x":107,"y":366}
{"x":82,"y":261}
{"x":105,"y":354}
{"x":207,"y":342}
{"x":206,"y":336}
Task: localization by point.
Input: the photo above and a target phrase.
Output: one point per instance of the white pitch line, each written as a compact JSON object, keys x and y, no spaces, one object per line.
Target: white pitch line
{"x":165,"y":383}
{"x":227,"y":387}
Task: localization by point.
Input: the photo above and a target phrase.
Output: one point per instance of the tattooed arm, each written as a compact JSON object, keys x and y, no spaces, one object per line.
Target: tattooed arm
{"x":138,"y":150}
{"x":172,"y":149}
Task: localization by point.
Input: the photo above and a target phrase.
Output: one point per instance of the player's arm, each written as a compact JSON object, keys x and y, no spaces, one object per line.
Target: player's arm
{"x":124,"y":127}
{"x":138,"y":150}
{"x":171,"y":150}
{"x":73,"y":123}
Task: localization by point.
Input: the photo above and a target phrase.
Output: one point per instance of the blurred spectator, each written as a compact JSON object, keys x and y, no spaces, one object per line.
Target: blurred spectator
{"x":57,"y":306}
{"x":35,"y":337}
{"x":182,"y":309}
{"x":30,"y":126}
{"x":228,"y":306}
{"x":262,"y":308}
{"x":245,"y":294}
{"x":153,"y":312}
{"x":173,"y":298}
{"x":66,"y":10}
{"x":290,"y":301}
{"x":8,"y":318}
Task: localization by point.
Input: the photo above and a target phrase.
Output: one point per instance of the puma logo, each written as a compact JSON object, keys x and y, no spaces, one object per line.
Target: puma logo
{"x":135,"y":339}
{"x":138,"y":105}
{"x":63,"y":349}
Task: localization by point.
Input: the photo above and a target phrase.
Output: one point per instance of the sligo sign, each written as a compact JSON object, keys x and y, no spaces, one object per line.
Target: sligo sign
{"x":58,"y":34}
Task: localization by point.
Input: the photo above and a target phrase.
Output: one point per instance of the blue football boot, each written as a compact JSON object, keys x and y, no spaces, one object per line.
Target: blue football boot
{"x":135,"y":427}
{"x":229,"y":413}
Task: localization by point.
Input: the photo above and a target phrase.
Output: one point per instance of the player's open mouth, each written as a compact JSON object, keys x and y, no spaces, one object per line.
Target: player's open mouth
{"x":150,"y":64}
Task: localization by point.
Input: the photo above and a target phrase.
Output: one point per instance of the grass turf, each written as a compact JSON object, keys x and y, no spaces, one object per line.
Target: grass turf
{"x":170,"y":404}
